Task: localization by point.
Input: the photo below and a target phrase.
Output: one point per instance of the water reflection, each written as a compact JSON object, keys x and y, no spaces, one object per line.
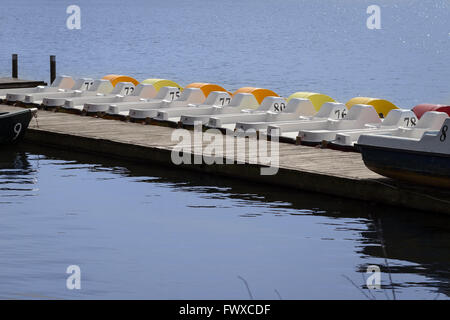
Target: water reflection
{"x":416,"y":243}
{"x":17,"y":176}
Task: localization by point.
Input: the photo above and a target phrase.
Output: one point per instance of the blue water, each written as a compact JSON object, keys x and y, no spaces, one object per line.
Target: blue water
{"x":287,"y":46}
{"x":148,"y":232}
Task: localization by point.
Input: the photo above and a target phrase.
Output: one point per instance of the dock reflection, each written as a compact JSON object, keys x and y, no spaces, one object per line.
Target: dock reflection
{"x":421,"y":238}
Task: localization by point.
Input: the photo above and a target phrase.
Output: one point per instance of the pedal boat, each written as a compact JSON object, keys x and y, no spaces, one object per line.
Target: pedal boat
{"x":396,"y":118}
{"x":413,"y":156}
{"x":54,"y":100}
{"x":14,"y":124}
{"x":37,"y":98}
{"x":287,"y":131}
{"x":150,"y":110}
{"x":295,"y":109}
{"x":122,"y":109}
{"x":171,"y":116}
{"x":14,"y":95}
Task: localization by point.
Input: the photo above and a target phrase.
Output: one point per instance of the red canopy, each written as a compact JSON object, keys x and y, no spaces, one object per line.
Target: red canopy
{"x":420,"y":109}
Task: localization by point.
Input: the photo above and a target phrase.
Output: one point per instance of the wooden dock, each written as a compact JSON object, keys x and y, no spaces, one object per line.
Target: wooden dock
{"x":342,"y":174}
{"x":8,"y":83}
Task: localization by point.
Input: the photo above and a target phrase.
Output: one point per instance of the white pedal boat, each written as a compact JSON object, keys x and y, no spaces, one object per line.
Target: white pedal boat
{"x":150,"y":109}
{"x":82,"y":84}
{"x":239,"y":103}
{"x":77,"y":103}
{"x":100,"y":86}
{"x":395,"y":119}
{"x":173,"y":115}
{"x":295,"y":109}
{"x":358,"y":117}
{"x":246,"y":99}
{"x":288,"y":130}
{"x":123,"y":108}
{"x":419,"y":155}
{"x":271,"y":106}
{"x":142,"y":91}
{"x":60,"y":83}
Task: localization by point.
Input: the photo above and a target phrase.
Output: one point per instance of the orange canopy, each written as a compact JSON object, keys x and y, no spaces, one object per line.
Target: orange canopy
{"x":207,"y":88}
{"x":259,"y":93}
{"x":115,"y":79}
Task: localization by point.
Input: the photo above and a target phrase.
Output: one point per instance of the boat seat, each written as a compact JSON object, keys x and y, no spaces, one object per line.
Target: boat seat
{"x":400,"y":117}
{"x":123,"y":88}
{"x":101,"y":86}
{"x":332,"y":110}
{"x":244,"y":100}
{"x":301,"y":107}
{"x":432,"y":120}
{"x":272,"y":104}
{"x":218,"y":98}
{"x":168,"y":93}
{"x":188,"y":96}
{"x":63,"y":82}
{"x":144,"y":90}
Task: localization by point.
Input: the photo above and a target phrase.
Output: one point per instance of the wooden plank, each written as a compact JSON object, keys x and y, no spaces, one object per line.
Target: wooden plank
{"x":9,"y":83}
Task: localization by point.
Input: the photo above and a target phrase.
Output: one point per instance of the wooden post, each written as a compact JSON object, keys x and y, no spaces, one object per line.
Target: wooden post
{"x":52,"y":69}
{"x":14,"y":66}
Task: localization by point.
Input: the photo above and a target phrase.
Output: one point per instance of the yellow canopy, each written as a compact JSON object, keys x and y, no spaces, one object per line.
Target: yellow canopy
{"x":159,"y":83}
{"x":381,"y":106}
{"x":259,"y":93}
{"x":317,"y":99}
{"x":207,"y":88}
{"x":115,"y":79}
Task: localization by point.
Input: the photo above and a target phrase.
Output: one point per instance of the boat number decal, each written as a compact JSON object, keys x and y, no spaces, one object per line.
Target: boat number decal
{"x":128,"y":90}
{"x":174,"y":94}
{"x":222,"y":100}
{"x":340,"y":113}
{"x":444,"y":133}
{"x":279,"y":106}
{"x":410,"y":122}
{"x":17,"y":130}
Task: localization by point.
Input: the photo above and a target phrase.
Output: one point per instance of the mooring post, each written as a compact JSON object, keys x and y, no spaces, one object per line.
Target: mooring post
{"x":15,"y":69}
{"x":52,"y":69}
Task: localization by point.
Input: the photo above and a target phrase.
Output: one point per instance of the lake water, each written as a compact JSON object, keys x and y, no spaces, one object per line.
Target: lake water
{"x":286,"y":46}
{"x":147,"y":232}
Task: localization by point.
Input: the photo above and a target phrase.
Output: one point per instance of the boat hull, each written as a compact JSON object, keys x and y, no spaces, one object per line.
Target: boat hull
{"x":13,"y":126}
{"x":431,"y":169}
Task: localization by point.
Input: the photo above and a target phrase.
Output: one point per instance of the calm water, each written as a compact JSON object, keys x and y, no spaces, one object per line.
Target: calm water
{"x":287,"y":46}
{"x":147,"y":232}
